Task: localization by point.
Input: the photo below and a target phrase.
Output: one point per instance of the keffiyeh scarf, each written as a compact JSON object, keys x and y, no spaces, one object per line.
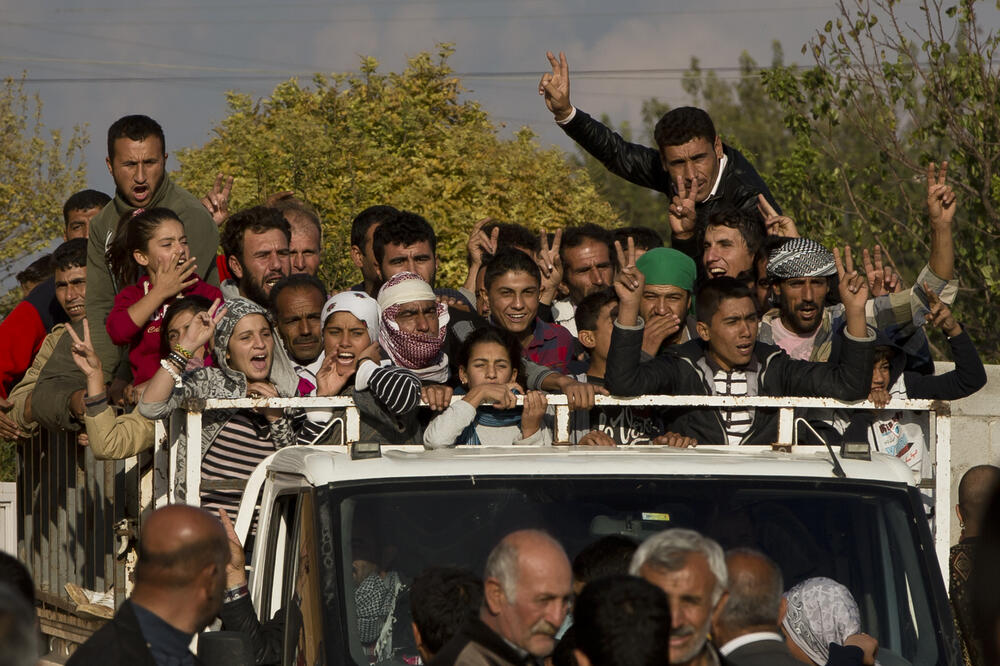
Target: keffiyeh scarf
{"x":420,"y":353}
{"x":800,"y":257}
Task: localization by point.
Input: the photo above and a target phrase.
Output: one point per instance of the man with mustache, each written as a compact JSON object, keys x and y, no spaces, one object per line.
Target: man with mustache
{"x":256,"y":242}
{"x":528,"y":586}
{"x":691,"y":569}
{"x":800,"y":273}
{"x":297,"y":305}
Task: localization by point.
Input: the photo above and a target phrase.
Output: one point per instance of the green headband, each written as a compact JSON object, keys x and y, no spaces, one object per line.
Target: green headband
{"x":665,"y":265}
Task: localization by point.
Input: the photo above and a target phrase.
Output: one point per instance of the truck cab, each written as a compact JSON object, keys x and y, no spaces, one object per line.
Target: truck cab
{"x":325,"y":520}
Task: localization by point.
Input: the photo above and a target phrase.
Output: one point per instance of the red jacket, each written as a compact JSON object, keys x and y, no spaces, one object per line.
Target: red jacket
{"x":24,"y":329}
{"x":144,"y":341}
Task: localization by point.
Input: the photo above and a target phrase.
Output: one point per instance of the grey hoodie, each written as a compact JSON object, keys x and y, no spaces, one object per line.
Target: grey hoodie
{"x":224,"y":382}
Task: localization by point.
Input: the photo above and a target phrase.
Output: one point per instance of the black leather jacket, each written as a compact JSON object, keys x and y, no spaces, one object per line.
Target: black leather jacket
{"x":739,"y":186}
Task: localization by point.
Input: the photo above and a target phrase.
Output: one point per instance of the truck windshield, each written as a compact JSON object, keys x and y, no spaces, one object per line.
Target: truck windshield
{"x":868,"y":537}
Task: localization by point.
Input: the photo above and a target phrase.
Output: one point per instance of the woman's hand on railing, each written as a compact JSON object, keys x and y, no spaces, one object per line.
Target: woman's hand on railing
{"x":265,"y":390}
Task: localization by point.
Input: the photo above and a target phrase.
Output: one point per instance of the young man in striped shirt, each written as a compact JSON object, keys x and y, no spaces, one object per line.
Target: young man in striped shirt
{"x":727,"y":359}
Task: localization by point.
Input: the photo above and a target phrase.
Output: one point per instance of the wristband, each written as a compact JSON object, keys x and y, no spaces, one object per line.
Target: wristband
{"x":165,"y":364}
{"x":183,"y":352}
{"x":177,"y":360}
{"x":234,"y":593}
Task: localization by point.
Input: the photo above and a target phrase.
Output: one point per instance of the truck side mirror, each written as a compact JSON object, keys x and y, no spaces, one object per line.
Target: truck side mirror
{"x":232,"y":648}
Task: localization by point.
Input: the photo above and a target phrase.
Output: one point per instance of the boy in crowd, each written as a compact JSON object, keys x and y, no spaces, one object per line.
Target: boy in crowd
{"x":612,"y":426}
{"x":513,"y":284}
{"x":728,"y":360}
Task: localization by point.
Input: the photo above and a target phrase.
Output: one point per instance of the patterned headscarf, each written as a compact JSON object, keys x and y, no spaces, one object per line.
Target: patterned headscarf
{"x":800,"y":257}
{"x":820,"y":611}
{"x":421,"y":353}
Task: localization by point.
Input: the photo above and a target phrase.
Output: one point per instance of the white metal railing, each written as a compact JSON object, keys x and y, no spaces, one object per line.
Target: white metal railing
{"x":939,"y":434}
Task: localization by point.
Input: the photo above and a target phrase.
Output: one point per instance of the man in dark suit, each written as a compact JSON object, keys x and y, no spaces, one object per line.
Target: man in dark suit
{"x":179,"y":582}
{"x":746,"y":628}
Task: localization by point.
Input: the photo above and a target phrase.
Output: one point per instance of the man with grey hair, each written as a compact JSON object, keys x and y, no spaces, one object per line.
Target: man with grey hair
{"x":746,"y":626}
{"x":527,"y":590}
{"x":691,"y":569}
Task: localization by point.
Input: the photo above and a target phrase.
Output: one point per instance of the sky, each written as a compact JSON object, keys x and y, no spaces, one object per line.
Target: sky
{"x":92,"y":63}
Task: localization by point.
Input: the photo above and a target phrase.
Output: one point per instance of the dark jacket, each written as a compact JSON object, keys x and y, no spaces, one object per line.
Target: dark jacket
{"x":265,"y":637}
{"x":118,"y":643}
{"x":680,"y":373}
{"x":739,"y":186}
{"x":762,"y":653}
{"x":968,"y":377}
{"x":476,"y":644}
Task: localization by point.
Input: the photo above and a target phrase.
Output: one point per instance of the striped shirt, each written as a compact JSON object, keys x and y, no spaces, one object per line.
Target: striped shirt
{"x":396,"y":389}
{"x":238,"y":448}
{"x":735,"y":420}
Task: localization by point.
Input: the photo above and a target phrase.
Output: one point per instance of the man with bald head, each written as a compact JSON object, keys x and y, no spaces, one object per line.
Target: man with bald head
{"x":974,"y":492}
{"x":179,"y":582}
{"x":746,"y":627}
{"x":527,"y":589}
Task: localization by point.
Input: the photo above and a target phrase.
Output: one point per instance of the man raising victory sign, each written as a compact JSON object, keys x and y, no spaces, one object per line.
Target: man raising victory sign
{"x":690,"y":164}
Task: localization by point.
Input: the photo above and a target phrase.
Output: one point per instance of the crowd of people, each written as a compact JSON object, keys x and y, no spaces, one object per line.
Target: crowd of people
{"x":156,"y":297}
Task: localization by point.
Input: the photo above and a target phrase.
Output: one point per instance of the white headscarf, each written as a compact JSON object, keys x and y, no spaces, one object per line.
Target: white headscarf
{"x":359,"y":304}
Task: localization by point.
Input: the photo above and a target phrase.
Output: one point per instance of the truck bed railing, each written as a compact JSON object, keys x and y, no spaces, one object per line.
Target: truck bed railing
{"x":939,"y":435}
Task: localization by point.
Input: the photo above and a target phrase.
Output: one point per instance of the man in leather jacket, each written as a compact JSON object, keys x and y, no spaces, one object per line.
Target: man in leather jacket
{"x":690,"y":164}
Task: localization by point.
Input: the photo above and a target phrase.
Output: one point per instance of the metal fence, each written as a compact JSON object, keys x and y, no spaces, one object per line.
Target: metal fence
{"x":77,"y":518}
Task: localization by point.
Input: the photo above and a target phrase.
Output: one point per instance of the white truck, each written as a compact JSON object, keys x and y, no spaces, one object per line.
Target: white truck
{"x":318,"y":510}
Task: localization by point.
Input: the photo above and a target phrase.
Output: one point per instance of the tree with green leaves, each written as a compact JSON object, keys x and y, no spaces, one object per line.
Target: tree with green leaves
{"x":406,"y":139}
{"x":885,"y":96}
{"x":38,"y":172}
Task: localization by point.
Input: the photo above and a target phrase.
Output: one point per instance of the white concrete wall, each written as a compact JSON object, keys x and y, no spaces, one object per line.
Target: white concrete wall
{"x":8,"y":518}
{"x":975,"y":432}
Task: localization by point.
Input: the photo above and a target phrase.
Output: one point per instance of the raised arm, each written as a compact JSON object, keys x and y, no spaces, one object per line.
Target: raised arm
{"x":634,"y":162}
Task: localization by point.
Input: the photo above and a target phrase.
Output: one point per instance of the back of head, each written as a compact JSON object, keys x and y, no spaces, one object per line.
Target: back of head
{"x":974,"y":493}
{"x":713,"y":292}
{"x":70,"y":254}
{"x":670,"y":549}
{"x":136,"y":128}
{"x":403,"y":228}
{"x":15,"y":574}
{"x":643,"y":237}
{"x":755,"y":589}
{"x":37,"y":271}
{"x":84,"y":200}
{"x":257,"y":219}
{"x":607,"y":556}
{"x":510,"y":260}
{"x":685,"y":123}
{"x":176,"y":544}
{"x":623,"y":621}
{"x":589,"y":309}
{"x":442,"y":599}
{"x":985,"y":581}
{"x":517,"y":235}
{"x":365,"y":219}
{"x":577,"y":236}
{"x":18,"y":635}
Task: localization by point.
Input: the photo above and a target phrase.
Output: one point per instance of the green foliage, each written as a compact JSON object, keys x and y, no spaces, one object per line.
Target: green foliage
{"x":38,"y":171}
{"x":884,"y":98}
{"x":350,"y":141}
{"x":634,"y":205}
{"x":8,"y":460}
